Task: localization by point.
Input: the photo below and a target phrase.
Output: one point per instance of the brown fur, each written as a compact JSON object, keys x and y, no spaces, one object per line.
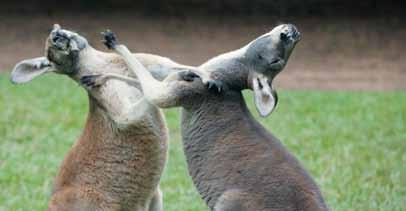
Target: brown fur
{"x":111,"y":166}
{"x":117,"y":162}
{"x":110,"y":169}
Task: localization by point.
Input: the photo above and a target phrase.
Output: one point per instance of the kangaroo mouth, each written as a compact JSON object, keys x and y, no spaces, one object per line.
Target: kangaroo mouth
{"x":291,"y":32}
{"x":276,"y":65}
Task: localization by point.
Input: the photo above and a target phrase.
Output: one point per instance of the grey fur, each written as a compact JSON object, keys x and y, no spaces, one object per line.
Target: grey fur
{"x":234,"y":162}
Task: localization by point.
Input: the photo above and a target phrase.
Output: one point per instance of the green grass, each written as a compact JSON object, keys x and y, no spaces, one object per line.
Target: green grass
{"x":353,"y":144}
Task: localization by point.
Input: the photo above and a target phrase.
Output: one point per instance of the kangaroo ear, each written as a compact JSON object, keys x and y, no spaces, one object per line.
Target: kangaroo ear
{"x":29,"y":69}
{"x":265,"y":97}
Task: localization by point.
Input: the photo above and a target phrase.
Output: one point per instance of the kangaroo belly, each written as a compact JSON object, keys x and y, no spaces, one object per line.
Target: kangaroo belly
{"x":246,"y":169}
{"x":123,"y":168}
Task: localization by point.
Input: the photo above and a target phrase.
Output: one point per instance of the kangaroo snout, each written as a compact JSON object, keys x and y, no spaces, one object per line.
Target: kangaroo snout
{"x":290,"y":32}
{"x":59,"y":39}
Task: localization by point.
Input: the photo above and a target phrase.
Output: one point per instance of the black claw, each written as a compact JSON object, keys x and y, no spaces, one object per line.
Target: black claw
{"x":188,"y":76}
{"x":110,"y":40}
{"x":215,"y":85}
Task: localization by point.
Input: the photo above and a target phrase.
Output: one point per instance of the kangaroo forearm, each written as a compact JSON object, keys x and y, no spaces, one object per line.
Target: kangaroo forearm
{"x":160,"y":67}
{"x":124,"y":78}
{"x":155,"y":91}
{"x":133,"y":64}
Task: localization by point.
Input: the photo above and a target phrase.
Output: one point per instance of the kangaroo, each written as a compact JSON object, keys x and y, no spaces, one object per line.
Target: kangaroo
{"x":234,"y":162}
{"x":117,"y":162}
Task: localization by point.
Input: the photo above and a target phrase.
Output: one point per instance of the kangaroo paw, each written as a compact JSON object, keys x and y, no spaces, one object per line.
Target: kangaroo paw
{"x":109,"y":39}
{"x":215,"y":85}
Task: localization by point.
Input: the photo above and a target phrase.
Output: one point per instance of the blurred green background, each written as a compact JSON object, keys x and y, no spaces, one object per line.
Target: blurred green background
{"x":352,"y":143}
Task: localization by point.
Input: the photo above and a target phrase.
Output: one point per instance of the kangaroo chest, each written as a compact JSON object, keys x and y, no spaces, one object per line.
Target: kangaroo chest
{"x":214,"y":139}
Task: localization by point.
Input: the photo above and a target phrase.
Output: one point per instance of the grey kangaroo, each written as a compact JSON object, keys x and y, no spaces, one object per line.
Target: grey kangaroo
{"x":235,"y":163}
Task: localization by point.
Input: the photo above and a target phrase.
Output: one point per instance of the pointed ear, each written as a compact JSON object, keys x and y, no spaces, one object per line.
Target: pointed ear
{"x":265,"y":97}
{"x":29,"y":69}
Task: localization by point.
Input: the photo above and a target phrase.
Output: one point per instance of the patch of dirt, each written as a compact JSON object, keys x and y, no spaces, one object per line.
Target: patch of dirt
{"x":335,"y":53}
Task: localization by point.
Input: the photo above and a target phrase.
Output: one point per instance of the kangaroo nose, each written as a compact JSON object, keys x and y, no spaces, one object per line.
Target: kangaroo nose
{"x":59,"y":39}
{"x":56,"y":35}
{"x":290,"y":32}
{"x":55,"y":38}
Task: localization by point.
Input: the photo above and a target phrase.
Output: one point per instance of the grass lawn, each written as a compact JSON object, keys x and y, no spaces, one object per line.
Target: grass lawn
{"x":353,"y":144}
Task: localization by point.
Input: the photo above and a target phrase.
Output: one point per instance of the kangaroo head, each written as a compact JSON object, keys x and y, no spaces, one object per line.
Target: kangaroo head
{"x":62,"y":51}
{"x":266,"y":56}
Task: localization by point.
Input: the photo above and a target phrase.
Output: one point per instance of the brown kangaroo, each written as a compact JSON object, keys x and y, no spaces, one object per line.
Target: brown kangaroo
{"x":117,"y":162}
{"x":235,"y":163}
